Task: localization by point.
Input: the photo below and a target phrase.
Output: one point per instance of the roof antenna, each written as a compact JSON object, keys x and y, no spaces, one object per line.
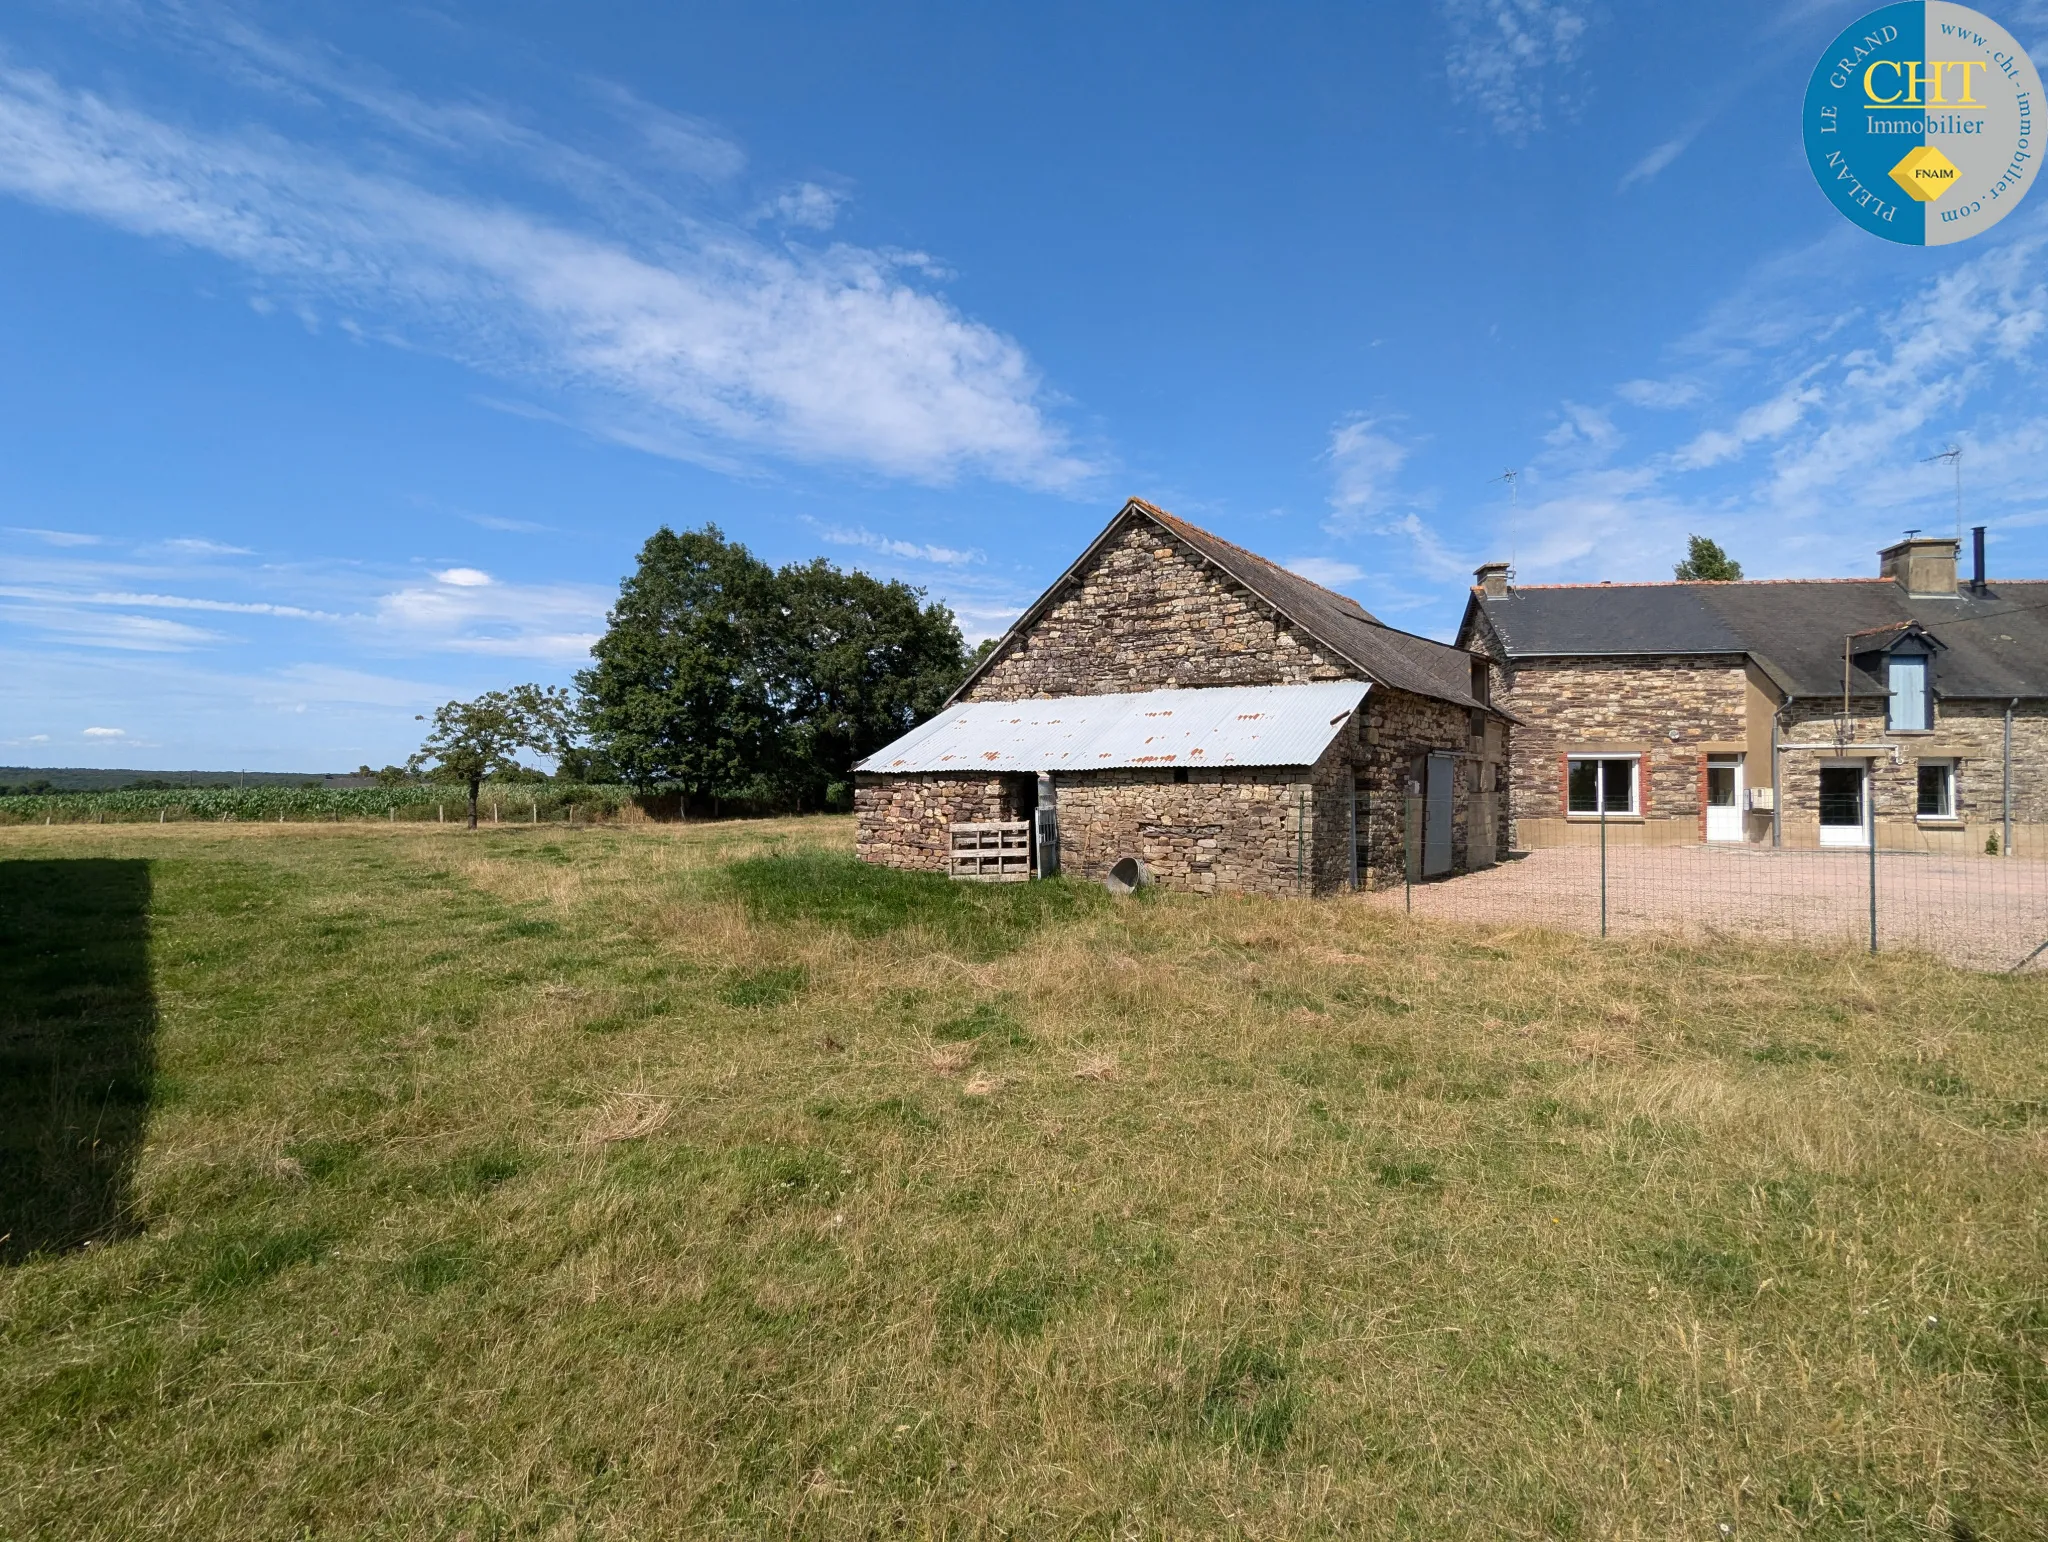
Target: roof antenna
{"x":1513,"y":478}
{"x":1954,"y":455}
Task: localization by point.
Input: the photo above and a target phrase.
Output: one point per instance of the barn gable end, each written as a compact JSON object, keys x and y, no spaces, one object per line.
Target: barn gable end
{"x":1145,"y":612}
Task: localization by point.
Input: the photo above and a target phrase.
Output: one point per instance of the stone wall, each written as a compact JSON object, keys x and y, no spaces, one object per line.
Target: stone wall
{"x":903,"y":821}
{"x":1149,"y":614}
{"x":1969,"y":733}
{"x":1224,"y":831}
{"x":1400,"y":727}
{"x":1671,"y":711}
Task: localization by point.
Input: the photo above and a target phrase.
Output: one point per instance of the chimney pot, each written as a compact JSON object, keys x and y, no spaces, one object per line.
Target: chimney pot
{"x":1493,"y":579}
{"x":1977,"y":558}
{"x":1923,"y":565}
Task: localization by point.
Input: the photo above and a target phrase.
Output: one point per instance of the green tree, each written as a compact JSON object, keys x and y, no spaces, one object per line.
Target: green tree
{"x":725,"y":680}
{"x":859,"y":661}
{"x":1705,"y":562}
{"x":679,"y":693}
{"x":471,"y":740}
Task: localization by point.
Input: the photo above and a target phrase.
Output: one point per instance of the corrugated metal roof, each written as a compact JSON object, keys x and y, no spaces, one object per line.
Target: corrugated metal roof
{"x":1239,"y":725}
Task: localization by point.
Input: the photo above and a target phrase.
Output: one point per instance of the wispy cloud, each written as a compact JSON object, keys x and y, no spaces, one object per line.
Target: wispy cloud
{"x":1364,"y":460}
{"x":1505,"y":56}
{"x":106,"y":733}
{"x":197,"y":547}
{"x":690,"y":325}
{"x":1809,"y":426}
{"x":1660,"y":157}
{"x":55,"y":537}
{"x":552,"y":623}
{"x":913,"y":551}
{"x":1327,"y":571}
{"x":807,"y":206}
{"x":1659,"y":394}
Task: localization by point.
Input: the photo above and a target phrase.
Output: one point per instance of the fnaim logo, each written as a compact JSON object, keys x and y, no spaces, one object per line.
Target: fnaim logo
{"x":1922,"y":123}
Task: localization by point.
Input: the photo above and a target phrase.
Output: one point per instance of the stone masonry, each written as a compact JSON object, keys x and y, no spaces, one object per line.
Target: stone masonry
{"x":902,"y":821}
{"x":1667,"y":710}
{"x":1148,"y":614}
{"x":1970,"y":734}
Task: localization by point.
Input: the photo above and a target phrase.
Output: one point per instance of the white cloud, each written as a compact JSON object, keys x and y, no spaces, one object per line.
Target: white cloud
{"x":1819,"y":460}
{"x":464,"y":578}
{"x":1772,"y":419}
{"x":203,"y":548}
{"x":914,"y":551}
{"x":1661,"y":395}
{"x":806,"y":206}
{"x":106,"y":733}
{"x":1657,"y":159}
{"x":1365,"y":461}
{"x":55,"y":537}
{"x":1503,"y":54}
{"x":821,"y":356}
{"x":1327,"y":571}
{"x":553,"y":623}
{"x":1588,"y":430}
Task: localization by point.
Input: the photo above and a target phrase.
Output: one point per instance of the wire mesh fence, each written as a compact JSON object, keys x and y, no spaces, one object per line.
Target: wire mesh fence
{"x":1878,"y":884}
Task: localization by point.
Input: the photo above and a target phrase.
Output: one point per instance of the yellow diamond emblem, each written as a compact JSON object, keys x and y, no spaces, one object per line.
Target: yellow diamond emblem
{"x":1925,"y":173}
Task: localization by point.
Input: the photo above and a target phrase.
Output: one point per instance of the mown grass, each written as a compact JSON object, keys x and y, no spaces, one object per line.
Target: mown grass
{"x":626,"y":1183}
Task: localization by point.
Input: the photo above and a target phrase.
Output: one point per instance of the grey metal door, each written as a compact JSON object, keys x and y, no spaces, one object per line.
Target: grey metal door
{"x":1438,"y":798}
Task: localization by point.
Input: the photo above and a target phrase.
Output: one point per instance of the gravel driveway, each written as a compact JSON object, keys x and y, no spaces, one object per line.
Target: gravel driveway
{"x":1979,"y":912}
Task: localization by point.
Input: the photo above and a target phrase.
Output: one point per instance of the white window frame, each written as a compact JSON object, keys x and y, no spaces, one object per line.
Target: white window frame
{"x":1892,"y":714}
{"x":1948,"y":815}
{"x":1635,"y":793}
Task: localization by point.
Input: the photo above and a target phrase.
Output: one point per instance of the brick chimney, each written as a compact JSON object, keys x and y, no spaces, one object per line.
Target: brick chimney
{"x":1922,"y":565}
{"x":1493,"y":578}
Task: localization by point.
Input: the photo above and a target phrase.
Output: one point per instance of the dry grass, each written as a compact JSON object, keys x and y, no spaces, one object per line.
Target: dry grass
{"x":592,"y":1185}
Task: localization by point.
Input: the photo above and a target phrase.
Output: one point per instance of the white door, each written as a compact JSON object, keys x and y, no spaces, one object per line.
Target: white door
{"x":1843,"y":805}
{"x":1724,"y":798}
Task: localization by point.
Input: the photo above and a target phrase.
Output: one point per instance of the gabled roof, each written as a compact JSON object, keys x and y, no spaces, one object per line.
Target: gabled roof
{"x":1993,"y":645}
{"x":1335,"y":622}
{"x":1229,"y":725}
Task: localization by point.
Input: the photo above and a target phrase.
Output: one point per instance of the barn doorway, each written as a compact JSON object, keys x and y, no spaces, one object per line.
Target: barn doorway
{"x":1439,"y":799}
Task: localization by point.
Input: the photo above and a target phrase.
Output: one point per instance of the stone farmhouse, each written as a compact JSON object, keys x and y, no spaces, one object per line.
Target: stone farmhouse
{"x":1912,"y":706}
{"x":1178,"y":702}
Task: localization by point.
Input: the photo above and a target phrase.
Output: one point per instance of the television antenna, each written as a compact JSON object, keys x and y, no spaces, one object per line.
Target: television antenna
{"x":1954,"y":456}
{"x":1513,"y":479}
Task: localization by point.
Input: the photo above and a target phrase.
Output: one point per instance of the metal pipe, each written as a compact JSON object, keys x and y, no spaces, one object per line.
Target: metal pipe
{"x":1300,"y":836}
{"x":1777,"y":792}
{"x":1603,"y":857}
{"x":2005,"y":798}
{"x":1870,"y":819}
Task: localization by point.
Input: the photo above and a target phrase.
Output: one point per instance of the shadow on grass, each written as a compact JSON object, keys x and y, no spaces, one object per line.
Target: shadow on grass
{"x":77,"y":1054}
{"x":981,"y":920}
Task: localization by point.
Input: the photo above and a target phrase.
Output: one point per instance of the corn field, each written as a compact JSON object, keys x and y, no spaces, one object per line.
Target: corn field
{"x":517,"y":803}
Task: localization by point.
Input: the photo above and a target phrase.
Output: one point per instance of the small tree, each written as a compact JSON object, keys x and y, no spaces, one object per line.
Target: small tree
{"x":471,"y":740}
{"x":1705,"y":562}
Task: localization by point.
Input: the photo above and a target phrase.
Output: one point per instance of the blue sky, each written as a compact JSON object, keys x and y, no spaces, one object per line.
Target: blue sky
{"x":352,"y":350}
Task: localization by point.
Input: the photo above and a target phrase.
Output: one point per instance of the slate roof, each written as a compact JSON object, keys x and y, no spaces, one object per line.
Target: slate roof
{"x":1335,"y":622}
{"x":1226,"y":725}
{"x":1991,"y":646}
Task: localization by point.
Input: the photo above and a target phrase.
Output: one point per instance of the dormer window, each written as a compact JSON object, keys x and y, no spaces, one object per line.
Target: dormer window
{"x":1906,"y":677}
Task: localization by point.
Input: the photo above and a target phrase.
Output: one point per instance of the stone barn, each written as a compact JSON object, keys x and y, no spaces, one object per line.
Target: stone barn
{"x":1178,"y":702}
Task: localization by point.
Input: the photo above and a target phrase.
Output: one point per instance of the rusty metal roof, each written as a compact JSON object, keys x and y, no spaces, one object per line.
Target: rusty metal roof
{"x":1237,"y":725}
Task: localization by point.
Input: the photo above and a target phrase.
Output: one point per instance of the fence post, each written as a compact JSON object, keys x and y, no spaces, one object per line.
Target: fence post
{"x":1603,"y":862}
{"x":1870,"y":784}
{"x":1411,"y":847}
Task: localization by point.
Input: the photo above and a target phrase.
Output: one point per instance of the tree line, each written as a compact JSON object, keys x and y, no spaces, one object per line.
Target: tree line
{"x":722,"y":682}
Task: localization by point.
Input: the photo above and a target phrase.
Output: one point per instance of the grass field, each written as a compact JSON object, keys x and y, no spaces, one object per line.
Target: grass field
{"x":366,"y":1182}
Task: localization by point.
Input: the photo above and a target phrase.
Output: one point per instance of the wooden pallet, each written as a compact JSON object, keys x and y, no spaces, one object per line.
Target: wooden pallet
{"x":992,"y":853}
